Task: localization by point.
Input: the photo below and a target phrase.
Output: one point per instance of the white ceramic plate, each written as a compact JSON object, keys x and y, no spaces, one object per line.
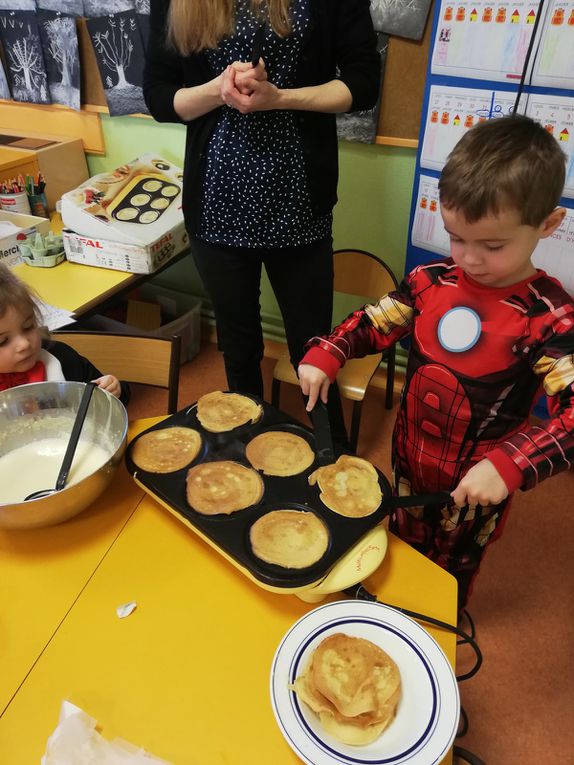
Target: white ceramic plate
{"x":427,"y":716}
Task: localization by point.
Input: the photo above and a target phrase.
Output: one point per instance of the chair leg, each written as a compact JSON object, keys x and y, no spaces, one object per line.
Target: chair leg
{"x":275,"y":391}
{"x":355,"y":424}
{"x":390,"y":388}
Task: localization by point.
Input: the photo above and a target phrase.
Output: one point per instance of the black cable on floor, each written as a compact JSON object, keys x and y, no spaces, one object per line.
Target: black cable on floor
{"x":463,"y":723}
{"x":465,"y":756}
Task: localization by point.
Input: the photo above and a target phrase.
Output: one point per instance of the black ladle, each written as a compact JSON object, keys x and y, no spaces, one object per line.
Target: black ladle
{"x":71,"y":448}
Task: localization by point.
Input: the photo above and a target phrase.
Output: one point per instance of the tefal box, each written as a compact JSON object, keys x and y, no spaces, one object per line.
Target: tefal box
{"x":13,"y":224}
{"x":129,"y":219}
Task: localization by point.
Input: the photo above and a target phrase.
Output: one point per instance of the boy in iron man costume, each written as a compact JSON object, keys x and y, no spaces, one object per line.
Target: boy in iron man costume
{"x":489,"y":332}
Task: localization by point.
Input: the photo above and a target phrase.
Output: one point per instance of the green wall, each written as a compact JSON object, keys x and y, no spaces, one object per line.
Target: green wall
{"x":375,"y":187}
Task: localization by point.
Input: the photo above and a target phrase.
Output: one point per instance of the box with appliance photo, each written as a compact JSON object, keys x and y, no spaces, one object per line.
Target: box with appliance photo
{"x":13,"y":224}
{"x":129,"y":219}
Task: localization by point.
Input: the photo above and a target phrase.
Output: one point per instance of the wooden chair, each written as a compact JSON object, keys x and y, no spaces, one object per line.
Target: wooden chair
{"x":133,"y":358}
{"x":361,"y":274}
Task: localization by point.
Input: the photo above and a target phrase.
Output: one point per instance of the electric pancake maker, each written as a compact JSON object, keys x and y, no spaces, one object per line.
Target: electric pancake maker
{"x":357,"y":545}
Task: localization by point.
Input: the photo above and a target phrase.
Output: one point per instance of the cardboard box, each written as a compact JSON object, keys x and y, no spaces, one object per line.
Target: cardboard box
{"x":9,"y":250}
{"x":61,"y":160}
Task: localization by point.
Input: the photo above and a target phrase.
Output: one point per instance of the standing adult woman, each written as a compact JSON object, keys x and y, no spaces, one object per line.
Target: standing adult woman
{"x":258,"y":84}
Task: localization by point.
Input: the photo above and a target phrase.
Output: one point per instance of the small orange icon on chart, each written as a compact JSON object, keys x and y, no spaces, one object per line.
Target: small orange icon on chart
{"x":558,"y":17}
{"x":500,"y":16}
{"x":448,"y":13}
{"x":434,"y":116}
{"x":432,"y":206}
{"x":487,"y":14}
{"x":571,"y":19}
{"x":549,"y":128}
{"x":564,"y":134}
{"x":468,"y":121}
{"x":444,"y":118}
{"x":424,"y":203}
{"x":460,"y":13}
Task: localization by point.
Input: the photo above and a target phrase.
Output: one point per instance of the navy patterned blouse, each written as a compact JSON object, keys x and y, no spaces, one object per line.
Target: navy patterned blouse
{"x":254,"y":186}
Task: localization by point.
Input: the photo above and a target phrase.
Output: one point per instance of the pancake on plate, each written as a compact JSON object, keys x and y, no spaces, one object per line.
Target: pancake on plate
{"x":219,"y":412}
{"x":222,"y":487}
{"x":353,"y":685}
{"x":349,"y":487}
{"x":278,"y":452}
{"x":166,"y":450}
{"x":289,"y":538}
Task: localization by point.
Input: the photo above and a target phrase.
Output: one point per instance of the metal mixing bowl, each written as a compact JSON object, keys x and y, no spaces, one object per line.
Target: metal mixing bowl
{"x":29,"y":413}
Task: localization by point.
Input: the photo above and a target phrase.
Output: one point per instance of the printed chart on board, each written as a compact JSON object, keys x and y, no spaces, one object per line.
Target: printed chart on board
{"x":428,"y":229}
{"x":554,"y":65}
{"x":453,"y":111}
{"x":556,"y":113}
{"x":556,"y":253}
{"x":483,"y":40}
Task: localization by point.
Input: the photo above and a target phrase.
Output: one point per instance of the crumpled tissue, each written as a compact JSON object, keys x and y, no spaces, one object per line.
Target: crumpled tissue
{"x":77,"y":742}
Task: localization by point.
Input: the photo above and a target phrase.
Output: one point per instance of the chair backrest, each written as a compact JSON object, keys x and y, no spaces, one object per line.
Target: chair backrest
{"x":133,"y":358}
{"x":360,"y":273}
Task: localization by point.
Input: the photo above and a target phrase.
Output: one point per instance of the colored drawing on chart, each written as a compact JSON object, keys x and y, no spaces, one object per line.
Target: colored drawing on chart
{"x":483,"y":40}
{"x":453,"y":111}
{"x":428,"y":229}
{"x":556,"y":113}
{"x":556,"y":254}
{"x":554,"y":64}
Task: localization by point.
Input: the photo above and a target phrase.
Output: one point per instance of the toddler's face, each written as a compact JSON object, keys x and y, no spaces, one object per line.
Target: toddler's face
{"x":494,"y":251}
{"x":20,"y":341}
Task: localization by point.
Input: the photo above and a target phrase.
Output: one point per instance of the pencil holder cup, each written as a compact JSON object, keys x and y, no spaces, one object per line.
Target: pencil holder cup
{"x":16,"y":203}
{"x":39,"y":205}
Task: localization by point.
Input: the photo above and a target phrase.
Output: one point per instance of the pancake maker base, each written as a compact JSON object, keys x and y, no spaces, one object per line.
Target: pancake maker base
{"x":229,"y":534}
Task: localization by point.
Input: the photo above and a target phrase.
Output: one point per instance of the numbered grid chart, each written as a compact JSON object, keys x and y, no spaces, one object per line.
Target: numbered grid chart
{"x":428,"y":229}
{"x":556,"y":113}
{"x":483,"y":40}
{"x":554,"y":64}
{"x":556,"y":254}
{"x":453,"y":111}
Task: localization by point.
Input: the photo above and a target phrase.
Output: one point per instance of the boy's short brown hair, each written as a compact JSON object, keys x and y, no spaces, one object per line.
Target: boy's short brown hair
{"x":511,"y":162}
{"x":17,"y":295}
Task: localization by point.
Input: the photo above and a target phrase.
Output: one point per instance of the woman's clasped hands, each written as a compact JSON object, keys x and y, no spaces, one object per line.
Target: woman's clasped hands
{"x":246,"y":88}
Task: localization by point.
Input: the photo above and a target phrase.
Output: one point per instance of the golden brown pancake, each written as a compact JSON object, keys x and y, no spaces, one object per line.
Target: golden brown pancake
{"x":289,"y":538}
{"x":349,"y":487}
{"x":278,"y":452}
{"x":222,"y":487}
{"x":219,"y":412}
{"x":353,"y":685}
{"x":166,"y":450}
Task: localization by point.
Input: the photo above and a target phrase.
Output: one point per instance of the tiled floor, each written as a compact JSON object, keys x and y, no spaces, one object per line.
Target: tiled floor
{"x":521,"y":700}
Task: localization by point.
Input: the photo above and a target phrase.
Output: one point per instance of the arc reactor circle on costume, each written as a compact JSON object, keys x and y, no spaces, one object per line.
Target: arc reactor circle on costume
{"x":459,"y":329}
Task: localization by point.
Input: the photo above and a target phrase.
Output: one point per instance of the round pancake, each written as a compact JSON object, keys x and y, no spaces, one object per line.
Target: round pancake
{"x":222,"y":487}
{"x":166,"y":450}
{"x":349,"y":487}
{"x":289,"y":538}
{"x":280,"y":453}
{"x":353,"y":685}
{"x":219,"y":412}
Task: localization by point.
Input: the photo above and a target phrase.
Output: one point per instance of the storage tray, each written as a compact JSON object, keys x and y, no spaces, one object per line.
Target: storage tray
{"x":231,"y":532}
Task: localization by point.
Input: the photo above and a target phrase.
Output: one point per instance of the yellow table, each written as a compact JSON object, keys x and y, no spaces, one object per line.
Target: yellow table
{"x":186,"y":676}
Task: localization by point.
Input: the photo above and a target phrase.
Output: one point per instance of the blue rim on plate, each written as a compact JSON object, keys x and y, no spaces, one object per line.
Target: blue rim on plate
{"x":427,"y":716}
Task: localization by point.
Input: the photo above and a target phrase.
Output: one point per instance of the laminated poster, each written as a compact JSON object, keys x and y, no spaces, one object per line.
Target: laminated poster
{"x":453,"y":111}
{"x":67,"y":7}
{"x":483,"y":40}
{"x":556,"y":113}
{"x":402,"y":18}
{"x":60,"y":45}
{"x":554,"y":65}
{"x":24,"y":60}
{"x":428,"y":229}
{"x":119,"y":51}
{"x":556,"y":254}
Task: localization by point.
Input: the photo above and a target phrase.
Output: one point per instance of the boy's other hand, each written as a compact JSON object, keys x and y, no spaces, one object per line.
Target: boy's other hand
{"x":482,"y":485}
{"x":314,"y":383}
{"x":109,"y":383}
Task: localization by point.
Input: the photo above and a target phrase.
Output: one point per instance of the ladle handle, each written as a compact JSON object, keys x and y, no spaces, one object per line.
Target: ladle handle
{"x":415,"y":500}
{"x":75,"y":436}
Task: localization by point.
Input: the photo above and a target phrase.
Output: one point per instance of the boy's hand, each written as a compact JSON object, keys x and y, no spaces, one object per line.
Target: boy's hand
{"x":314,"y":383}
{"x":482,"y":485}
{"x":109,"y":383}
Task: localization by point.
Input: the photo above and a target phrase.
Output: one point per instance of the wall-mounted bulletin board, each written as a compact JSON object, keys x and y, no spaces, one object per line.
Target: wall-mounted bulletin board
{"x":480,"y":54}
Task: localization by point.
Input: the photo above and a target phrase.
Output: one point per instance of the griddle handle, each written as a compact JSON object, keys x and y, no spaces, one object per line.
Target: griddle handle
{"x":416,"y":500}
{"x":322,"y":426}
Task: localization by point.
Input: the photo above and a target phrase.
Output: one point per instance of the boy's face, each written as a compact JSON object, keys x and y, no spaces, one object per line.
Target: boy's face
{"x":495,"y":251}
{"x":20,"y":341}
